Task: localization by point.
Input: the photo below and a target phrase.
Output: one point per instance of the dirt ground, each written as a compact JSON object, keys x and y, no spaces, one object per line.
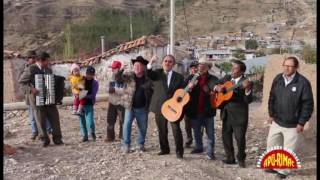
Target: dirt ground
{"x":100,"y":160}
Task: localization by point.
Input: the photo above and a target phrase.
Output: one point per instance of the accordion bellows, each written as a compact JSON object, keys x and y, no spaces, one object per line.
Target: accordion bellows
{"x":51,"y":89}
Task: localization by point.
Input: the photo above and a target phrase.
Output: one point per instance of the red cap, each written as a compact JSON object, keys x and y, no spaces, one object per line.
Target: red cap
{"x":115,"y":64}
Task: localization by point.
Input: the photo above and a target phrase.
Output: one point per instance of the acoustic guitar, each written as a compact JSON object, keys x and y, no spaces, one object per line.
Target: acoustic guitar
{"x":173,"y":107}
{"x":217,"y":99}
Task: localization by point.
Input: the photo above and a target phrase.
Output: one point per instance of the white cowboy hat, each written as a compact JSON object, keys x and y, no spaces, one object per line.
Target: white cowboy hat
{"x":204,"y":60}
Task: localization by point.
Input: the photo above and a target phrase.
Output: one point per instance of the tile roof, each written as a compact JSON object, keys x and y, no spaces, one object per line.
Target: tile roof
{"x":149,"y":41}
{"x":153,"y":41}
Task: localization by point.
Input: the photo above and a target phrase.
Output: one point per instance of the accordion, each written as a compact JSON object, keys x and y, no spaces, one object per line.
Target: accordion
{"x":51,"y":89}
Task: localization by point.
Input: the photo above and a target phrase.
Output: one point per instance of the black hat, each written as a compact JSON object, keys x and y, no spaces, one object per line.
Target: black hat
{"x":140,"y":59}
{"x":44,"y":55}
{"x":193,"y":63}
{"x":90,"y":70}
{"x":31,"y":54}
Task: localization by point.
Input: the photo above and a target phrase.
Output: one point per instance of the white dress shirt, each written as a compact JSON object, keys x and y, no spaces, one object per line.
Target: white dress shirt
{"x":236,"y":80}
{"x":169,"y":75}
{"x":288,"y":79}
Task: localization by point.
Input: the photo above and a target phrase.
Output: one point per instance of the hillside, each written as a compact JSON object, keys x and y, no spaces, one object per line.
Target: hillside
{"x":30,"y":24}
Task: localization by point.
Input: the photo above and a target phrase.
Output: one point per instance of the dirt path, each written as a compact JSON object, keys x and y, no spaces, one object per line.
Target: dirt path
{"x":99,"y":160}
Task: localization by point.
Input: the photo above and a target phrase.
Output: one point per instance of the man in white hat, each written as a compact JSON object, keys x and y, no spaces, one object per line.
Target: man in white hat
{"x":199,"y":108}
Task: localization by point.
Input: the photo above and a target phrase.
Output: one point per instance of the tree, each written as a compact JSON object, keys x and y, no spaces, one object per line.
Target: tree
{"x":251,"y":44}
{"x":257,"y":69}
{"x":68,"y":48}
{"x":309,"y":54}
{"x":225,"y":66}
{"x":239,"y":54}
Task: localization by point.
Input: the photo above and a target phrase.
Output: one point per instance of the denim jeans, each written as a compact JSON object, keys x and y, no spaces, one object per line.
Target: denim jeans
{"x":208,"y":123}
{"x":87,"y":120}
{"x":33,"y":123}
{"x":141,"y":116}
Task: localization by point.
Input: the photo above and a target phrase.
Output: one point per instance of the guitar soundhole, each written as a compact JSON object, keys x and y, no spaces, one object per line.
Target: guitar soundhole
{"x":179,"y":99}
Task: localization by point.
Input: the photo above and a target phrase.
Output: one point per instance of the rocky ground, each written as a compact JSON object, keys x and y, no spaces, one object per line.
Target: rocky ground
{"x":100,"y":160}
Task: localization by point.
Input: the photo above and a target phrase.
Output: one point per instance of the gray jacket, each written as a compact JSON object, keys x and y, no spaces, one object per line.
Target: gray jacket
{"x":114,"y":98}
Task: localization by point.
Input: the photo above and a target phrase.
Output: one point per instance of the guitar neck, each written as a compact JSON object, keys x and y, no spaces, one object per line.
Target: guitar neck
{"x":240,"y":83}
{"x":194,"y":78}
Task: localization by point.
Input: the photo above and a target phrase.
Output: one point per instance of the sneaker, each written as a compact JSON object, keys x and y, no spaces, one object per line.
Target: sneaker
{"x":271,"y":171}
{"x":281,"y":176}
{"x":211,"y":157}
{"x":229,"y":161}
{"x":45,"y":143}
{"x":58,"y":142}
{"x":142,"y":148}
{"x":196,"y":151}
{"x":85,"y":139}
{"x":74,"y":112}
{"x":93,"y":136}
{"x":126,"y":149}
{"x":34,"y":136}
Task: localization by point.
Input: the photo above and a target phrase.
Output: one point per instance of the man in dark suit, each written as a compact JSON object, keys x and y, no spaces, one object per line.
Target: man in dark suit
{"x":165,"y":83}
{"x":50,"y":112}
{"x":234,"y":113}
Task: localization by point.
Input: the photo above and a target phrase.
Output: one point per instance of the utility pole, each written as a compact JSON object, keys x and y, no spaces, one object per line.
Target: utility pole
{"x":102,"y":44}
{"x":172,"y":13}
{"x":131,"y":33}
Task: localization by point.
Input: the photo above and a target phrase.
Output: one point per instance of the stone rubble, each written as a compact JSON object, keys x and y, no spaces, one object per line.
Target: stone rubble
{"x":100,"y":160}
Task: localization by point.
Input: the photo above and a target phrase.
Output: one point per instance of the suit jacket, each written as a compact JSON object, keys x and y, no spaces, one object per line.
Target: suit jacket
{"x":27,"y":81}
{"x":191,"y":107}
{"x":236,"y":110}
{"x":161,"y":91}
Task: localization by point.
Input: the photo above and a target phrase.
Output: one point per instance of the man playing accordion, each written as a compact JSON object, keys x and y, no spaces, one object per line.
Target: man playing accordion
{"x":46,"y":111}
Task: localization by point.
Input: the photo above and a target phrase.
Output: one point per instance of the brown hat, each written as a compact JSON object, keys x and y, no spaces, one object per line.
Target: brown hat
{"x":140,"y":59}
{"x":31,"y":54}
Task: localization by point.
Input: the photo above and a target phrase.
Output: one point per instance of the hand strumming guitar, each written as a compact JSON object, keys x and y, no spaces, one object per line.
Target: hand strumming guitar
{"x":247,"y":85}
{"x":219,"y":88}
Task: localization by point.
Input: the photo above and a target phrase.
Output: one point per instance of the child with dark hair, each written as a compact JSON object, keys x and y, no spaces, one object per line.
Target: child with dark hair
{"x":87,"y":121}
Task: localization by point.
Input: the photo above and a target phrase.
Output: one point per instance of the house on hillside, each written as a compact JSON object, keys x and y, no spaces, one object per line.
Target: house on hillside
{"x":215,"y":54}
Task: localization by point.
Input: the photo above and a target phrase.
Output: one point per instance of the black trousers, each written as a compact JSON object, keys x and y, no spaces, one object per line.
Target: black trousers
{"x":113,"y":112}
{"x":240,"y":135}
{"x":187,"y":127}
{"x":52,"y":114}
{"x":162,"y":125}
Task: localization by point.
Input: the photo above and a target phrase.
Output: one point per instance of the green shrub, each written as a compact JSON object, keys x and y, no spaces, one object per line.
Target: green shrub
{"x":309,"y":54}
{"x":113,"y":24}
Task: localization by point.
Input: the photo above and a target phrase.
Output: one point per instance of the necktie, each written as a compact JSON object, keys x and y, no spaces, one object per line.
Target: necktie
{"x":167,"y":78}
{"x":233,"y":81}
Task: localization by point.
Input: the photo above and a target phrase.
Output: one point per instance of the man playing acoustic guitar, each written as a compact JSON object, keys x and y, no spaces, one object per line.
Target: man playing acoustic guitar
{"x":200,"y":110}
{"x":234,"y":113}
